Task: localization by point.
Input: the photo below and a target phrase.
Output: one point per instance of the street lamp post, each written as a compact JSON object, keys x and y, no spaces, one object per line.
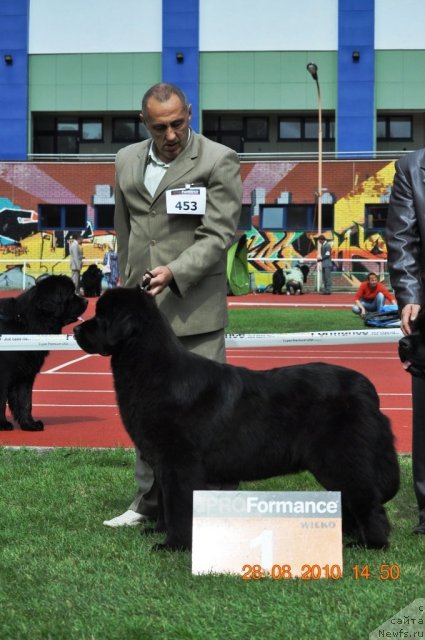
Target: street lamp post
{"x":313,"y":71}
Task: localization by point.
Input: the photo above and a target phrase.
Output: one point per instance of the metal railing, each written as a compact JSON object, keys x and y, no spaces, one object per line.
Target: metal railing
{"x":20,"y":273}
{"x":285,"y":156}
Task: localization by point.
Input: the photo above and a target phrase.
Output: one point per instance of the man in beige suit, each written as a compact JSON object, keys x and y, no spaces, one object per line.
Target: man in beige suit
{"x":177,"y":206}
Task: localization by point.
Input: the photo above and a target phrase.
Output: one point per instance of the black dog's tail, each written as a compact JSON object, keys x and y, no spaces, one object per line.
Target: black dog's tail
{"x":386,"y":463}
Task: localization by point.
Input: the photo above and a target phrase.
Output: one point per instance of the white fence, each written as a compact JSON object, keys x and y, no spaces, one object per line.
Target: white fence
{"x":67,"y":342}
{"x":20,"y":273}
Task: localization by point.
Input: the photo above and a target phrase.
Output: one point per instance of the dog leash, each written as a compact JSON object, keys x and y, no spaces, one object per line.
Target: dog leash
{"x":147,"y":277}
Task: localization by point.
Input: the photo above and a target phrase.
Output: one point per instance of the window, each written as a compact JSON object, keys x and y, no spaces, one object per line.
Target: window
{"x":256,"y":129}
{"x":394,"y":128}
{"x":64,"y":134}
{"x":92,"y":130}
{"x":376,"y":216}
{"x":227,"y":129}
{"x":295,"y":217}
{"x":104,"y":216}
{"x":306,"y":128}
{"x":234,"y":129}
{"x":64,"y":125}
{"x":128,"y":130}
{"x":62,"y":216}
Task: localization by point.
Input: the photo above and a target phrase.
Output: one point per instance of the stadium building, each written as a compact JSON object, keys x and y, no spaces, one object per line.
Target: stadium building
{"x":72,"y":75}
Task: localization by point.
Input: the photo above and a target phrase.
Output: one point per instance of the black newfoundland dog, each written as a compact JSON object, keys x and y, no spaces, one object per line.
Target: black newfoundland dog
{"x":45,"y":308}
{"x":91,"y":281}
{"x":197,"y":421}
{"x":278,"y":280}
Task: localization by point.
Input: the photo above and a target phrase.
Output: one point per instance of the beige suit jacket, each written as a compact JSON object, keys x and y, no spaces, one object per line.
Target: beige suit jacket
{"x":193,"y":247}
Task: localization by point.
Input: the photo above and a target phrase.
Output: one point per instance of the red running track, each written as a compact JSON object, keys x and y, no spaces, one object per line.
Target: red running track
{"x":74,"y":394}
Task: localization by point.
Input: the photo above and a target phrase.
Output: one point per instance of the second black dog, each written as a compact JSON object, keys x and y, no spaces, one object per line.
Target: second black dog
{"x":91,"y":281}
{"x":197,"y":421}
{"x":43,"y":309}
{"x":278,"y":280}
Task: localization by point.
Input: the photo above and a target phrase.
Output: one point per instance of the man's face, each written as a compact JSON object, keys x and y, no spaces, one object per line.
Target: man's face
{"x":373,"y":281}
{"x":168,"y":124}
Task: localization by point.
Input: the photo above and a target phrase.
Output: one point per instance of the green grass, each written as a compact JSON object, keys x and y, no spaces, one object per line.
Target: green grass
{"x":63,"y":575}
{"x":278,"y":320}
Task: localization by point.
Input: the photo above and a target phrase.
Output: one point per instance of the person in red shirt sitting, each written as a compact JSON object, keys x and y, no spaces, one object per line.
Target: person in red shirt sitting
{"x":371,"y":296}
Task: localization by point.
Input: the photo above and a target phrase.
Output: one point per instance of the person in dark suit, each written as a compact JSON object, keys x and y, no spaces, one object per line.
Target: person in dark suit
{"x":405,"y":237}
{"x":325,"y":263}
{"x":177,"y":205}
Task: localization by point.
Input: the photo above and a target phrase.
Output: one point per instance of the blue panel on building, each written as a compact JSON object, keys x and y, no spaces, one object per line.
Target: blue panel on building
{"x":13,"y":79}
{"x":356,"y":76}
{"x":180,"y":49}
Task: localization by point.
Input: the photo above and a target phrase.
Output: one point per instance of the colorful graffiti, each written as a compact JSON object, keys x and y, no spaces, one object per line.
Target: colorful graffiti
{"x":349,"y":185}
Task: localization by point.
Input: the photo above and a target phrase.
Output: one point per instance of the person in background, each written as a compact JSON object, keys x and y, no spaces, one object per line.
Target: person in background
{"x":371,"y":296}
{"x":110,"y":268}
{"x":76,"y":261}
{"x":294,"y":280}
{"x":325,"y":263}
{"x":405,"y":237}
{"x":177,"y":205}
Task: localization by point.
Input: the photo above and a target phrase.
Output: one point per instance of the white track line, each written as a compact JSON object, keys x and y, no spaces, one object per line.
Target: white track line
{"x":78,"y":406}
{"x":76,"y":373}
{"x":68,"y":363}
{"x":73,"y":391}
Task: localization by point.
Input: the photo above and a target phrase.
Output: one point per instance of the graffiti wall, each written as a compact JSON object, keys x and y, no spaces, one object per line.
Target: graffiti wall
{"x":349,"y":185}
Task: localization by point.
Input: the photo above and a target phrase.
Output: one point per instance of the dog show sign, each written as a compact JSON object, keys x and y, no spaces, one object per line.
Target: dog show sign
{"x":256,"y":534}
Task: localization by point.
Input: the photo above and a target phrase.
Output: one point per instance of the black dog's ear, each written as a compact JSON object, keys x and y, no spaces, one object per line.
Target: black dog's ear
{"x":51,"y":294}
{"x":125,"y":312}
{"x":121,"y":328}
{"x":9,"y":310}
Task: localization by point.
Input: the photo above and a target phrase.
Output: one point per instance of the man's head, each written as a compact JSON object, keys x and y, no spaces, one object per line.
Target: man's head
{"x":322,"y":239}
{"x":372,"y":279}
{"x":166,"y":114}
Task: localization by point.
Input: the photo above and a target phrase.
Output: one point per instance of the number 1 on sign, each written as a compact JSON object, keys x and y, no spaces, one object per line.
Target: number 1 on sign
{"x":265,"y":541}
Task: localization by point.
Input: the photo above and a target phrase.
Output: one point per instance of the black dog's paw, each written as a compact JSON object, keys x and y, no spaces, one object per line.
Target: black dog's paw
{"x":6,"y":426}
{"x":37,"y":425}
{"x":165,"y":546}
{"x":361,"y":545}
{"x":147,"y":531}
{"x":159,"y":527}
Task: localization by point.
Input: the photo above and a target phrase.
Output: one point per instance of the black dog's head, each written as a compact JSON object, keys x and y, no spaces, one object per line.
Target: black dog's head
{"x":45,"y":308}
{"x":411,"y":348}
{"x":120,"y":314}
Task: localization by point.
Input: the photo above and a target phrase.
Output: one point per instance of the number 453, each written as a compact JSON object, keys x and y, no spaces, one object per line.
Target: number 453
{"x":187,"y":205}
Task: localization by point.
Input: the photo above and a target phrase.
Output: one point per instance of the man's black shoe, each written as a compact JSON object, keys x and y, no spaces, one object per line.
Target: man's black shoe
{"x":420,"y":529}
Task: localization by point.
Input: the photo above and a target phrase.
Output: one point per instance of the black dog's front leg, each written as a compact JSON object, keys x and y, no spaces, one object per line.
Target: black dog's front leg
{"x":20,"y":403}
{"x":5,"y":425}
{"x":177,"y":484}
{"x":160,"y":521}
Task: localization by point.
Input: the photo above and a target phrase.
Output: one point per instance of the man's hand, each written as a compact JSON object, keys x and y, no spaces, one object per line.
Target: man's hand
{"x":409,"y":313}
{"x":160,"y":278}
